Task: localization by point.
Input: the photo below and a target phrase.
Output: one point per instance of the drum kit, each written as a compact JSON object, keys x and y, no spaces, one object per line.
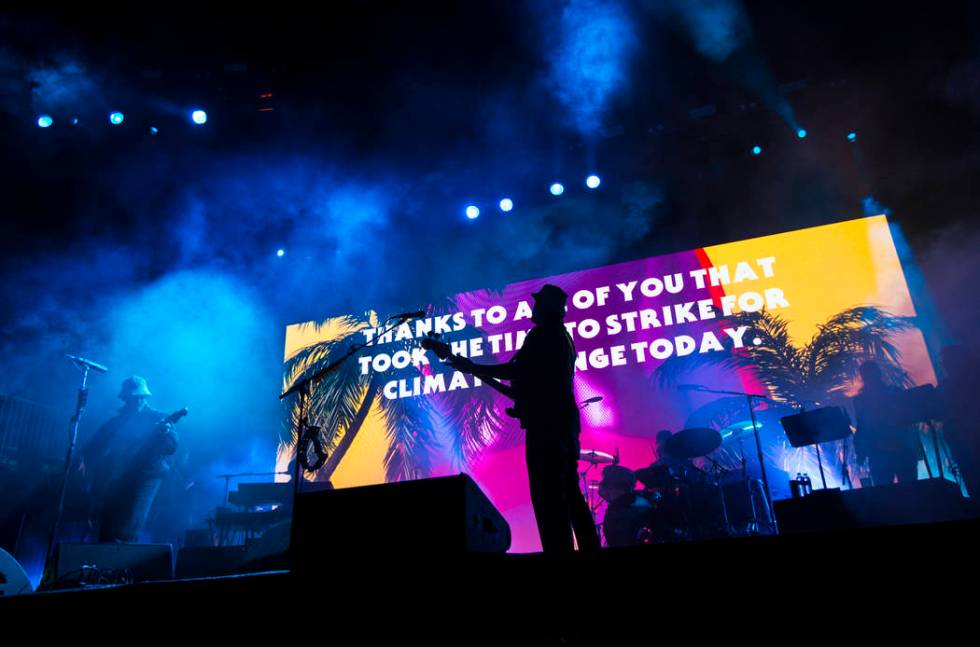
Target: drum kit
{"x":673,"y":499}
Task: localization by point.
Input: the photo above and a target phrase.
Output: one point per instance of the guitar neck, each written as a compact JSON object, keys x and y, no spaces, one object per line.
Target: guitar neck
{"x":496,"y":385}
{"x":444,"y":352}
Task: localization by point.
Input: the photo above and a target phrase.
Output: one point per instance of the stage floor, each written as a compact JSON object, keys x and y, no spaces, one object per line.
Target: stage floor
{"x":697,"y":588}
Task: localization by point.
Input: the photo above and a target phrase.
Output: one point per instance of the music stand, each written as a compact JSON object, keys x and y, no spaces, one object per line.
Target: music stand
{"x":814,"y":427}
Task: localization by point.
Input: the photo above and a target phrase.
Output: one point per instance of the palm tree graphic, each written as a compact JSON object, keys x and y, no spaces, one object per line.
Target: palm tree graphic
{"x":816,"y":373}
{"x":339,"y":405}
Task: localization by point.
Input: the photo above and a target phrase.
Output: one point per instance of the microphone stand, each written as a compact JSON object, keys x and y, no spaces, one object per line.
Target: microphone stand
{"x":49,"y":567}
{"x":758,"y":442}
{"x":304,"y":389}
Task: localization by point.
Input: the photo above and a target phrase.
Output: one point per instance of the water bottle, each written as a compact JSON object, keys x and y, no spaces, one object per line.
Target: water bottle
{"x":796,"y":487}
{"x":807,"y":484}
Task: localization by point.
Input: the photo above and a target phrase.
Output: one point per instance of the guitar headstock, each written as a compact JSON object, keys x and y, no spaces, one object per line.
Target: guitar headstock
{"x":176,"y":415}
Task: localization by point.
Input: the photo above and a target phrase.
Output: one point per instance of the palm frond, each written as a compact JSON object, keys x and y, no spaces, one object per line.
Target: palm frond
{"x":411,"y":437}
{"x":334,"y":400}
{"x":473,"y":419}
{"x":774,"y":360}
{"x":310,"y":359}
{"x":850,"y":337}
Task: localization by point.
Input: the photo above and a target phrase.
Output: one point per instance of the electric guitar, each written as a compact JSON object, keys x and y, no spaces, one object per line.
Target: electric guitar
{"x":97,"y":478}
{"x":173,"y":418}
{"x":444,"y":352}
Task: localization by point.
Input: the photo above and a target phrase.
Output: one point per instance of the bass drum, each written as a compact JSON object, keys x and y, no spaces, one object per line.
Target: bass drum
{"x":702,"y":505}
{"x":630,"y":518}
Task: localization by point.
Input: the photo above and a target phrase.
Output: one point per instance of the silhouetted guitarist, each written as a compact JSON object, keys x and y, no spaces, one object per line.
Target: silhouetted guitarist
{"x":541,"y":374}
{"x":126,"y":461}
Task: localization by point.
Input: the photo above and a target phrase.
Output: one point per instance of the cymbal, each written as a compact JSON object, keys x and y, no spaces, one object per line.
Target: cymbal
{"x":596,"y":457}
{"x":694,"y":442}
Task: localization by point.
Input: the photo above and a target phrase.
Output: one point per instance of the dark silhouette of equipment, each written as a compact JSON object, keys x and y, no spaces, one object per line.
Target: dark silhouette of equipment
{"x":443,"y":516}
{"x":78,"y":565}
{"x":911,"y":502}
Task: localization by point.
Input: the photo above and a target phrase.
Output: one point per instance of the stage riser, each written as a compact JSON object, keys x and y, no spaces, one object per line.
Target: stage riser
{"x":927,"y":501}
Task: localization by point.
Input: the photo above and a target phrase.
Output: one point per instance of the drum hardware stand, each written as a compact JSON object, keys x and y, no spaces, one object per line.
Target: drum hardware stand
{"x":589,"y":496}
{"x":758,"y":442}
{"x":305,"y":386}
{"x":717,"y":472}
{"x":754,"y":525}
{"x":934,"y":431}
{"x":587,"y":491}
{"x":845,"y":471}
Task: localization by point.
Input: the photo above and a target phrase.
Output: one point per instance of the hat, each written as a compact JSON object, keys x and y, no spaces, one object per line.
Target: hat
{"x":552,"y":294}
{"x":134,"y":386}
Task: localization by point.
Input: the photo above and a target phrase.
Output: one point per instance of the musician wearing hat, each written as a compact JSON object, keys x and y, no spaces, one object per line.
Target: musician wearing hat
{"x":541,"y":373}
{"x":125,"y":461}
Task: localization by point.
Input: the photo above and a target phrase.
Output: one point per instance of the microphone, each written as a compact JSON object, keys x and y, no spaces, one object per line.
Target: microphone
{"x":416,"y":314}
{"x":81,"y":361}
{"x":689,"y":387}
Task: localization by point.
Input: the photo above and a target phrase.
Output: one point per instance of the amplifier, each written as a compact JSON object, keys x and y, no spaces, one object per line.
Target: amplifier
{"x":76,"y":564}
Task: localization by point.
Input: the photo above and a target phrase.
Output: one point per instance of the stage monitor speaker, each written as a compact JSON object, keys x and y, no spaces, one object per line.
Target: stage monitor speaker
{"x":926,"y":501}
{"x":81,"y":563}
{"x":13,"y":579}
{"x":428,"y":517}
{"x":209,"y":561}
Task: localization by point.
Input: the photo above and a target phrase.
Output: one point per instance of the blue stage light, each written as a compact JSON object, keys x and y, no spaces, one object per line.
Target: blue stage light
{"x":593,"y":181}
{"x":199,"y":117}
{"x":472,"y":211}
{"x":757,"y":150}
{"x":506,"y":204}
{"x":116,"y":118}
{"x":852,"y":137}
{"x":154,"y":130}
{"x":74,"y":121}
{"x":557,"y":188}
{"x":280,"y":252}
{"x":801,"y":133}
{"x":45,"y":121}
